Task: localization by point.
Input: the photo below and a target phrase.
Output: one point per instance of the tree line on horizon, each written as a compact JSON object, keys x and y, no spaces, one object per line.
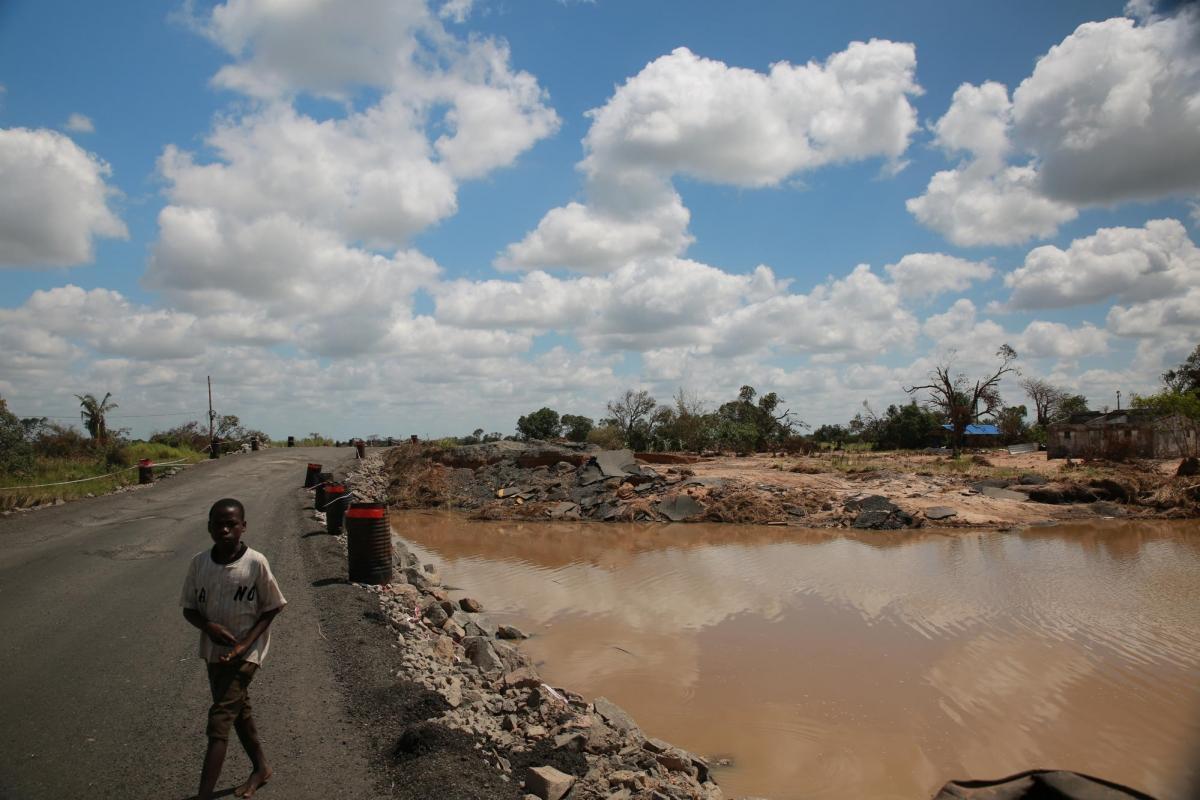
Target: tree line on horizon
{"x":751,"y":422}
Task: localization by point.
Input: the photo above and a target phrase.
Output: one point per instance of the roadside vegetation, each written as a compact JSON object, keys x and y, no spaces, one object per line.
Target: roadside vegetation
{"x":92,"y":459}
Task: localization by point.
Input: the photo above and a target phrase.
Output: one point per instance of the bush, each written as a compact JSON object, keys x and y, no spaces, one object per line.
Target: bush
{"x":16,"y":456}
{"x":189,"y":435}
{"x":608,"y":437}
{"x":51,"y":440}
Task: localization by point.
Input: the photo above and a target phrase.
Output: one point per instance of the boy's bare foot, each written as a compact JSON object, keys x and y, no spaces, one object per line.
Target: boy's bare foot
{"x":253,"y":783}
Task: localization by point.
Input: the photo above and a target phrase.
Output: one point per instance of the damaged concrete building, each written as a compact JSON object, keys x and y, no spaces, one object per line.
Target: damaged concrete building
{"x":1117,"y":435}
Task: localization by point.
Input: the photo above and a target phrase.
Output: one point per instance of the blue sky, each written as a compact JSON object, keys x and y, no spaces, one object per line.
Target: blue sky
{"x":398,"y":217}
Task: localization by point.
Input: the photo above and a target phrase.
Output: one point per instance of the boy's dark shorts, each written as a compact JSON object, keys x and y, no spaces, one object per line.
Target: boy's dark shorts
{"x":231,"y":701}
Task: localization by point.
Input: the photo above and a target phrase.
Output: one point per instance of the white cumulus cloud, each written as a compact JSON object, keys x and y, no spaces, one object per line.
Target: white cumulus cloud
{"x":1150,"y":263}
{"x":1109,"y":114}
{"x":688,"y":115}
{"x":54,"y":200}
{"x":1113,"y":110}
{"x":929,"y":274}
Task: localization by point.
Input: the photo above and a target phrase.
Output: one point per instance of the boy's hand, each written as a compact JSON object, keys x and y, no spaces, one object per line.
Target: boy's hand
{"x":233,"y":655}
{"x":219,"y":634}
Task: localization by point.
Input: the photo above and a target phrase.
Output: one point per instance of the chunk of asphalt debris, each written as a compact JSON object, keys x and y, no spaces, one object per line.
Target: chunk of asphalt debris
{"x":993,"y":483}
{"x":680,"y":507}
{"x":874,"y":502}
{"x":548,"y":783}
{"x":1002,"y":494}
{"x":940,"y":512}
{"x":875,"y":520}
{"x":616,"y":463}
{"x":589,"y":474}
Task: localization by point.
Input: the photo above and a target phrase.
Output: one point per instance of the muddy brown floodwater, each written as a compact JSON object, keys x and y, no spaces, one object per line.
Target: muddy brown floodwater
{"x":880,"y":665}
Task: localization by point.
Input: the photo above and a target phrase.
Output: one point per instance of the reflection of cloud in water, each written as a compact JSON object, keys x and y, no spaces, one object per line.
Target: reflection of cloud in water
{"x":935,"y":585}
{"x":836,"y":664}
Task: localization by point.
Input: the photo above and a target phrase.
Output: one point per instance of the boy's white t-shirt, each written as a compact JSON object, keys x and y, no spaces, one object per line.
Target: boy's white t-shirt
{"x":235,"y":595}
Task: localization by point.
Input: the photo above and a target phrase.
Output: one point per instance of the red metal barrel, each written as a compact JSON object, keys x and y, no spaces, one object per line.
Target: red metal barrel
{"x":369,"y":543}
{"x":336,"y":498}
{"x":413,"y":438}
{"x":319,"y":498}
{"x":145,"y":471}
{"x":313,"y":476}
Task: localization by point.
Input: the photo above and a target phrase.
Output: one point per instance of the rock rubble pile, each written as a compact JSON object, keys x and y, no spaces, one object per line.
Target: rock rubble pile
{"x":504,"y":480}
{"x":547,"y":739}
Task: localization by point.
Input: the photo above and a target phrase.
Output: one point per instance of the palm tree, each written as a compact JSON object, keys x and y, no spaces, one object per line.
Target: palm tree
{"x":92,"y":413}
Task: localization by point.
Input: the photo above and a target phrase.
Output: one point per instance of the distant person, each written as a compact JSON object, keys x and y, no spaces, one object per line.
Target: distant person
{"x":231,"y":596}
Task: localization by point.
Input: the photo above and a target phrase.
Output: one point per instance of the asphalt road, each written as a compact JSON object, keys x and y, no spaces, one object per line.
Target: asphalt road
{"x":101,"y":691}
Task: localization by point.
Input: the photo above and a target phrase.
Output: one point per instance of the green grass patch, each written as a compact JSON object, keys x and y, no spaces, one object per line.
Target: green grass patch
{"x":90,"y":475}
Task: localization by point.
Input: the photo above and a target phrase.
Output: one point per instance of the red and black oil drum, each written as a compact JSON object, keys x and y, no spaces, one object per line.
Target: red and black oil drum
{"x":312,"y":476}
{"x":336,"y":498}
{"x":369,"y":543}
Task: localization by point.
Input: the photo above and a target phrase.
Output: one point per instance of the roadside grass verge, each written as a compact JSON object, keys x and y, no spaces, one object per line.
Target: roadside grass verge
{"x":92,"y":472}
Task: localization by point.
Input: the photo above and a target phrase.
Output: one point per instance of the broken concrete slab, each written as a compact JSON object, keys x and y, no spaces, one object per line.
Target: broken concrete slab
{"x":589,"y":474}
{"x":680,"y":507}
{"x":616,"y":463}
{"x":1002,"y":494}
{"x":992,"y":483}
{"x":940,"y":512}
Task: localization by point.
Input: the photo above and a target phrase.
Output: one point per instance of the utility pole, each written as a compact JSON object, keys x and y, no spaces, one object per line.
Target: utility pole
{"x":1118,"y":399}
{"x":211,"y":416}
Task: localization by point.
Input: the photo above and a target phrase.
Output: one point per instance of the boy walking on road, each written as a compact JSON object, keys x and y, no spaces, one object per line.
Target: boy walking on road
{"x":231,"y":596}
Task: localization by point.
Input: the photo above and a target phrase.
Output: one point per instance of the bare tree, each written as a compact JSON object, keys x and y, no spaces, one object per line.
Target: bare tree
{"x":1045,"y":397}
{"x":630,"y":409}
{"x":962,"y":402}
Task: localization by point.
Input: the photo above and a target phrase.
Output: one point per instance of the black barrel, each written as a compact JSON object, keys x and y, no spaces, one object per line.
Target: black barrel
{"x":319,"y":498}
{"x":145,"y":471}
{"x":214,"y":448}
{"x":291,"y":441}
{"x":336,"y":498}
{"x":254,"y":444}
{"x":369,"y":543}
{"x":312,"y":476}
{"x":361,"y":447}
